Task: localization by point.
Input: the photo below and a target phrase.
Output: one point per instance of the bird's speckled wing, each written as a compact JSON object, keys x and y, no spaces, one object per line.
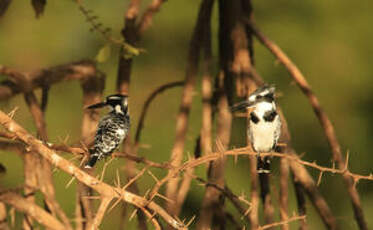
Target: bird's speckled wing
{"x":110,"y":133}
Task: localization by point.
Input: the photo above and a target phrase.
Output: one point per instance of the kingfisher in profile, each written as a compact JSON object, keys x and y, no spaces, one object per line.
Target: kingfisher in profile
{"x":112,"y":128}
{"x":265,"y":124}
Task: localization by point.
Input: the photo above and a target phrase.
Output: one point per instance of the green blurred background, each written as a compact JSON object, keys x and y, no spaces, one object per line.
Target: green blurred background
{"x":330,"y":41}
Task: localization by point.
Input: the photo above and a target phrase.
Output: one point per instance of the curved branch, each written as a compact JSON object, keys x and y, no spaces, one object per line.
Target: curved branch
{"x":32,"y":210}
{"x":44,"y":77}
{"x":145,"y":108}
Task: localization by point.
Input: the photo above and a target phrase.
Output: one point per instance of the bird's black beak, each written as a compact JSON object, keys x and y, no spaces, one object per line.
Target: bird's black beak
{"x":241,"y":105}
{"x":96,"y":106}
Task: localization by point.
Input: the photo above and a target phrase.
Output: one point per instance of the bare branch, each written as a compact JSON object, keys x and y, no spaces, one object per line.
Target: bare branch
{"x":301,"y":202}
{"x":147,"y":17}
{"x":32,"y":210}
{"x":45,"y":77}
{"x":294,"y":218}
{"x":105,"y":201}
{"x":284,"y":193}
{"x":254,"y":197}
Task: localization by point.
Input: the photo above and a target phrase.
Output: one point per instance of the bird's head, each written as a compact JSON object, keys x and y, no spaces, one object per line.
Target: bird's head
{"x":265,"y":93}
{"x":117,"y":102}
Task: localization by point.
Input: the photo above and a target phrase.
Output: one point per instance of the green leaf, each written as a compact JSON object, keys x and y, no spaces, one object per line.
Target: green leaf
{"x":104,"y":53}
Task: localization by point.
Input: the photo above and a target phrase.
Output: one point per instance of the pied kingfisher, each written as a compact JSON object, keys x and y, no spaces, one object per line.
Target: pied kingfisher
{"x":112,"y":128}
{"x":265,"y":125}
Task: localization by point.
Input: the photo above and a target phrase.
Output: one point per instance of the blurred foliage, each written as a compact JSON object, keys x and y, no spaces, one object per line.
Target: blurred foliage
{"x":330,"y":41}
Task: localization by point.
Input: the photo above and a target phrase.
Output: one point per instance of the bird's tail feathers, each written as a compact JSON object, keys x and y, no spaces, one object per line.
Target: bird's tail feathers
{"x":263,"y":165}
{"x":92,"y":159}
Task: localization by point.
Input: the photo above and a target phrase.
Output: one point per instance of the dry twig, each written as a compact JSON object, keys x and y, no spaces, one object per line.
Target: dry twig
{"x":294,"y":218}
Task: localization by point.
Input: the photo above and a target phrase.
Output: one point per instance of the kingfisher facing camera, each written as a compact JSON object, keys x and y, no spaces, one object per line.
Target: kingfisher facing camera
{"x":265,"y":124}
{"x":112,"y":128}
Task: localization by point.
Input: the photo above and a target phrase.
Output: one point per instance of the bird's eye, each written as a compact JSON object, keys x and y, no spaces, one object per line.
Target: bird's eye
{"x":259,"y":97}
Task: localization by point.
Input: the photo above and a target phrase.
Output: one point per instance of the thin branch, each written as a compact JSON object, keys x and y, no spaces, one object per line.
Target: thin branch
{"x":187,"y":180}
{"x":31,"y":162}
{"x":147,"y":17}
{"x":105,"y":201}
{"x":143,"y":160}
{"x":301,"y":175}
{"x":254,"y":196}
{"x":183,"y":190}
{"x":321,"y":115}
{"x":245,"y":151}
{"x":230,"y":217}
{"x":37,"y":114}
{"x":301,"y":203}
{"x":206,"y":130}
{"x":284,"y":192}
{"x":294,"y":218}
{"x":44,"y":98}
{"x":147,"y":103}
{"x":212,"y":205}
{"x":227,"y":192}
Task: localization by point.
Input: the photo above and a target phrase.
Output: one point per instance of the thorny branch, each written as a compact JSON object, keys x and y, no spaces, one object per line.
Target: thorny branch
{"x":101,"y":187}
{"x":294,"y":218}
{"x":245,"y":151}
{"x":238,"y":151}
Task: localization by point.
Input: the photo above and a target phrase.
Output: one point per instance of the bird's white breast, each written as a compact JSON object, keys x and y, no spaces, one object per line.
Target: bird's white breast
{"x":263,"y":134}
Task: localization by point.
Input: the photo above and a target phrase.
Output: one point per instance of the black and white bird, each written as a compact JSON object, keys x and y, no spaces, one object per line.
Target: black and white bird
{"x":112,"y":128}
{"x":265,"y":124}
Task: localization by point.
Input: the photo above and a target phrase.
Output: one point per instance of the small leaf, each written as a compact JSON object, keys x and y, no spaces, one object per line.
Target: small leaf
{"x":104,"y":53}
